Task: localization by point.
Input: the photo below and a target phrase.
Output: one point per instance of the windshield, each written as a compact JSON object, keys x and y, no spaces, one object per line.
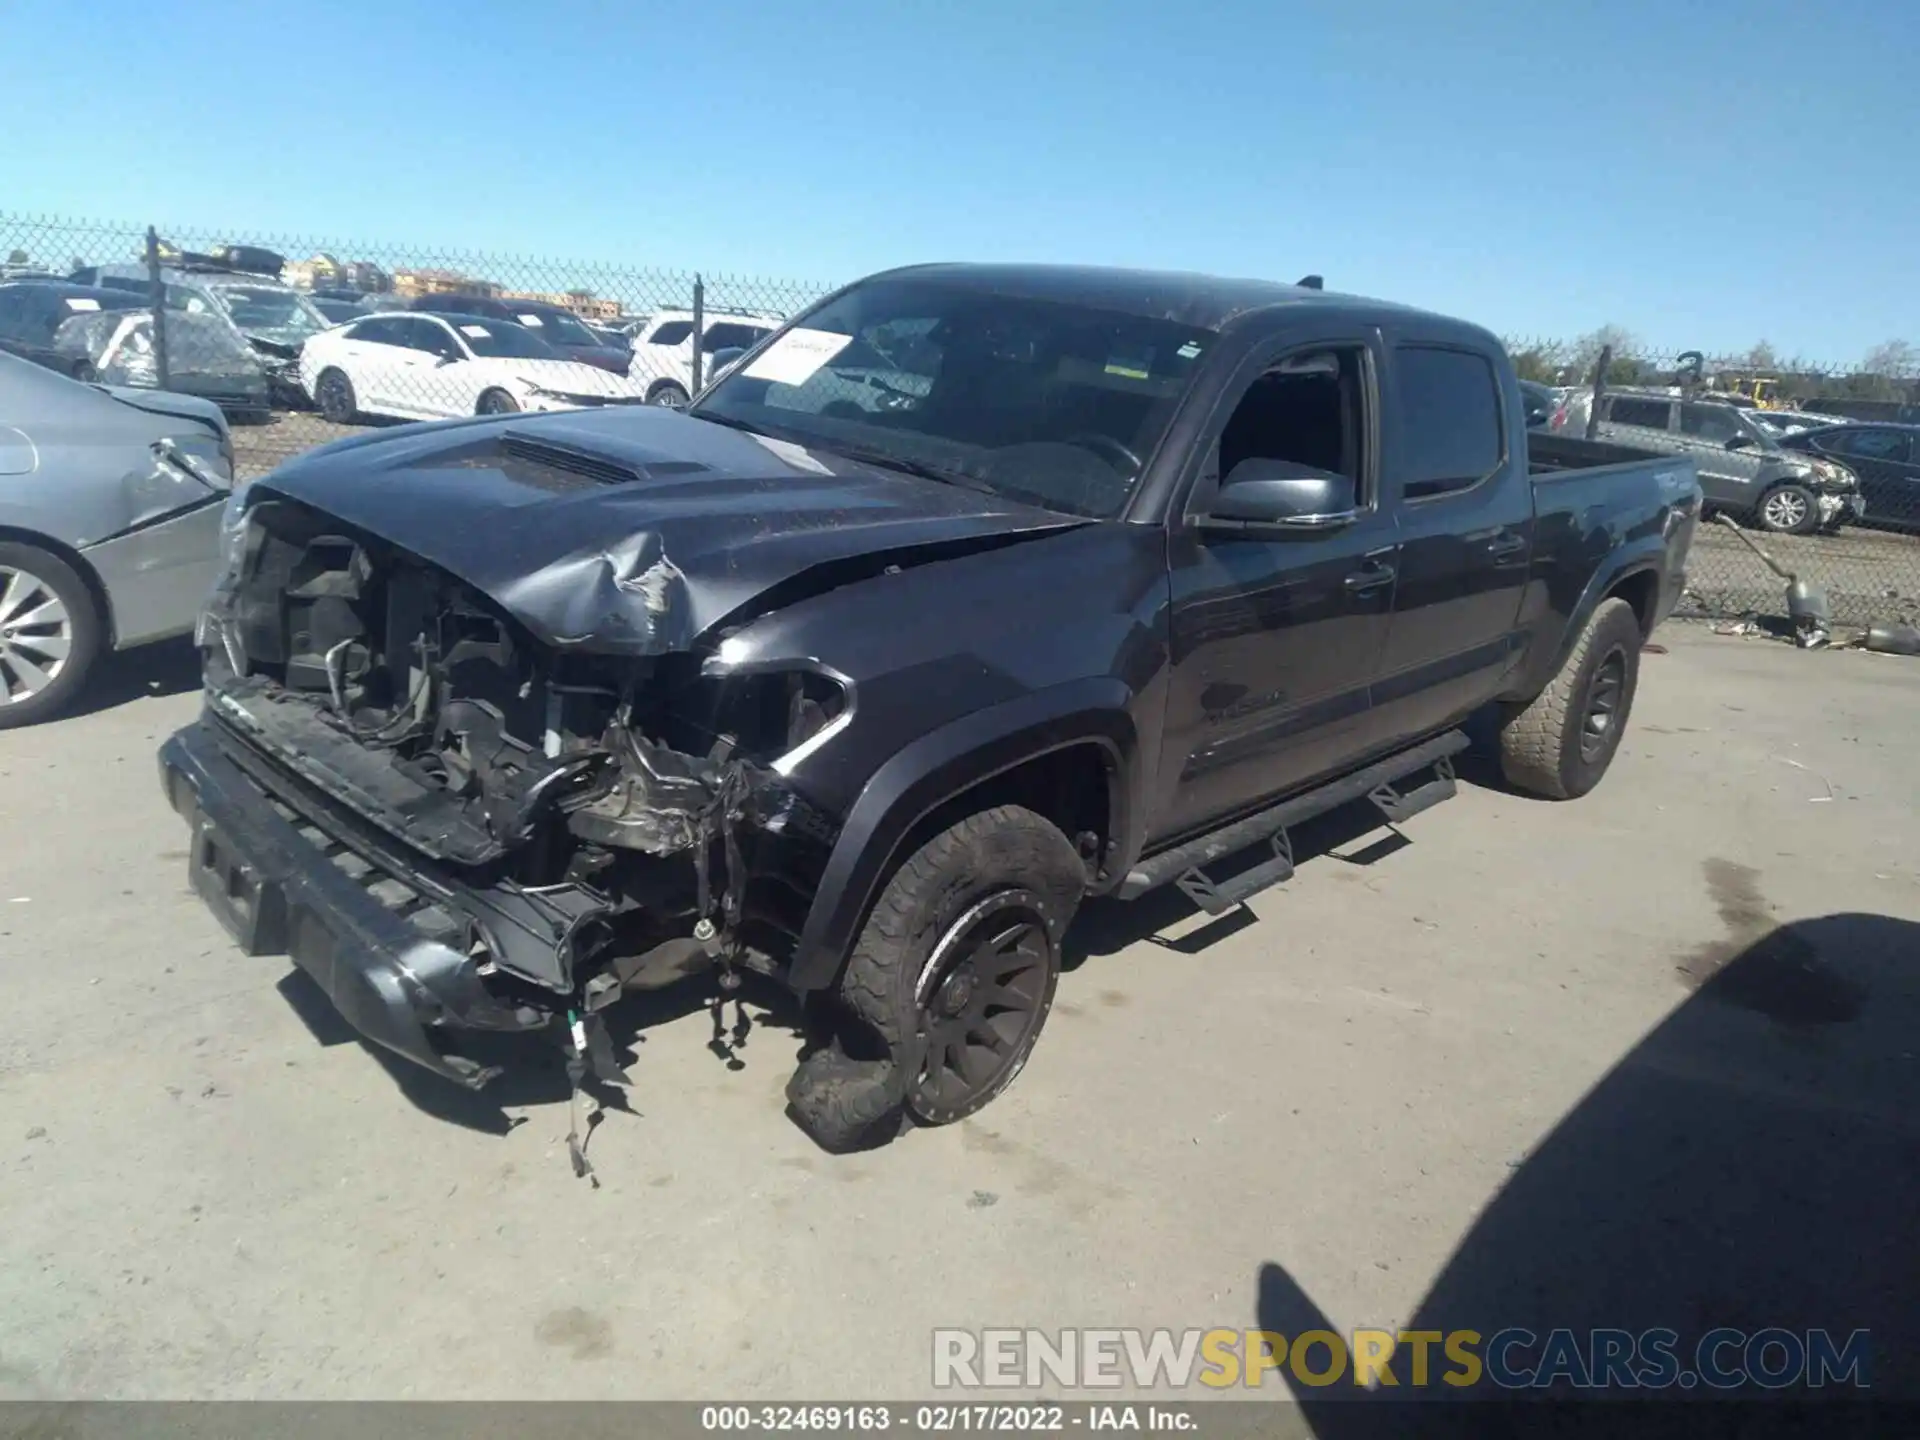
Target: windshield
{"x":557,"y":328}
{"x":498,"y":340}
{"x":1054,"y":404}
{"x":267,"y":307}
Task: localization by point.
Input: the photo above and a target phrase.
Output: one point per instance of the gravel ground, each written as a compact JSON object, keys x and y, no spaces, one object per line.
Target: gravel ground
{"x":1527,"y":1055}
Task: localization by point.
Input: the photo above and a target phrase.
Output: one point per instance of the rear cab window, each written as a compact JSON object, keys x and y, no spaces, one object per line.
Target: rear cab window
{"x":1451,"y":428}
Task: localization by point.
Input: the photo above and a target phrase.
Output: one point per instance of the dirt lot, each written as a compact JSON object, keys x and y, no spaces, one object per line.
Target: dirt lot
{"x":1532,"y":1062}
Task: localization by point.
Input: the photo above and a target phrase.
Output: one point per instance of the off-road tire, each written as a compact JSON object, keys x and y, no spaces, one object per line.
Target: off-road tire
{"x":1541,"y":748}
{"x":848,"y":1101}
{"x":86,"y":633}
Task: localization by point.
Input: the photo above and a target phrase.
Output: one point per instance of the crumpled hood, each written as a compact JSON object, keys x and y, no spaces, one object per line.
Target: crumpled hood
{"x":637,"y":530}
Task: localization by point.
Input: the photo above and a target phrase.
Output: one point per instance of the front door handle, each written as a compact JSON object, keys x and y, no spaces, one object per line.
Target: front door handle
{"x":1505,"y":547}
{"x":1370,"y":576}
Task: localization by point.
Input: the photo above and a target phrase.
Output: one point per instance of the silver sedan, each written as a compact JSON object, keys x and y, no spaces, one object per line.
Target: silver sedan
{"x":110,"y":504}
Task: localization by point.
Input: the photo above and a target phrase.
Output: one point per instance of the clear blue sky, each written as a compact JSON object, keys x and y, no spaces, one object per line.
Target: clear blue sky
{"x":1542,"y":168}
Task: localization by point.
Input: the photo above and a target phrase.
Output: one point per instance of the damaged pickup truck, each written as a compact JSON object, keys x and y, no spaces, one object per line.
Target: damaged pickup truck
{"x":972,"y":592}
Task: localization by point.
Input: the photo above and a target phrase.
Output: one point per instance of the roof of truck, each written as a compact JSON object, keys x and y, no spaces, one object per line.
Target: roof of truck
{"x":1204,"y":301}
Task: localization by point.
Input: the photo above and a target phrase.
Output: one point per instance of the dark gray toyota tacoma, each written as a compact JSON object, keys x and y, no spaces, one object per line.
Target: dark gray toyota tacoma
{"x":973,"y":592}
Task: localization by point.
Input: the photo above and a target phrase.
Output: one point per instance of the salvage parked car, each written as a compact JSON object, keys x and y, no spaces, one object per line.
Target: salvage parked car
{"x":560,"y":328}
{"x":509,"y":716}
{"x":1743,"y":469}
{"x":274,"y":319}
{"x":1540,"y":402}
{"x":1885,"y":457}
{"x":1782,"y":423}
{"x":110,"y":504}
{"x":663,"y":348}
{"x":205,"y":357}
{"x":431,"y":367}
{"x":32,"y":312}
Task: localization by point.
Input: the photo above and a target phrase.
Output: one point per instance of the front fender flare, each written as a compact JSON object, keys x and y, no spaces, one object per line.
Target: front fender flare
{"x":934,"y":769}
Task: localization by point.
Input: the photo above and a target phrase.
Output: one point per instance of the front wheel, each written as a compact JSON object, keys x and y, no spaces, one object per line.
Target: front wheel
{"x":667,"y":394}
{"x":334,"y":397}
{"x":1789,"y":510}
{"x":1561,"y":743}
{"x":950,"y":981}
{"x":50,"y":634}
{"x":497,"y":402}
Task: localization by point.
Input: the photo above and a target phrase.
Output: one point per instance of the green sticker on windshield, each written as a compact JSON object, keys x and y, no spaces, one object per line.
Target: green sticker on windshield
{"x":1115,"y":367}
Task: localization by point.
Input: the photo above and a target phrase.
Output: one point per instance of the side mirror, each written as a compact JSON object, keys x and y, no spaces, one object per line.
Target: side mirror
{"x":445,"y":360}
{"x":1739,"y":442}
{"x":723,"y":360}
{"x":1283,"y":495}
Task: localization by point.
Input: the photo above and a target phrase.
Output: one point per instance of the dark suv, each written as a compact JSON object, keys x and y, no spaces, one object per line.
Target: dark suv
{"x":559,"y":327}
{"x":1885,"y":457}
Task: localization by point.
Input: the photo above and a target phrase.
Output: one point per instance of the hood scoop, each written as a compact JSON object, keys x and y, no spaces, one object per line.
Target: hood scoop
{"x":560,"y":469}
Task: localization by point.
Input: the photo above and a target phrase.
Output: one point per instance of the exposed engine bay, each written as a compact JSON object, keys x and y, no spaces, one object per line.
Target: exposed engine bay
{"x":602,"y":822}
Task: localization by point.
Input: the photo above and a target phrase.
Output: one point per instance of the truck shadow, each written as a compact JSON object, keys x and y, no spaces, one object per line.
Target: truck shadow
{"x":1106,"y":926}
{"x":1749,"y":1164}
{"x":761,"y":1018}
{"x":166,"y":667}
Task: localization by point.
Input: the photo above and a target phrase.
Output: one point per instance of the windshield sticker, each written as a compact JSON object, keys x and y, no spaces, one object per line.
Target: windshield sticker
{"x":792,"y":359}
{"x":1125,"y":371}
{"x":478,"y":332}
{"x":83,"y":304}
{"x":529,"y":319}
{"x":1188,"y":350}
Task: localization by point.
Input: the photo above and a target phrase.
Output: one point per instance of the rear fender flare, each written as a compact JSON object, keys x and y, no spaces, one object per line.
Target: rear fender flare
{"x":1623,"y":565}
{"x":941,"y":765}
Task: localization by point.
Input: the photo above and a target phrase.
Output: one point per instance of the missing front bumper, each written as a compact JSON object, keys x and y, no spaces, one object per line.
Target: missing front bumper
{"x":401,"y":970}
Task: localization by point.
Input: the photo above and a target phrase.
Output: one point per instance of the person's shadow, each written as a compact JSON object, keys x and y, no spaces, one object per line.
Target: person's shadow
{"x":1752,"y":1163}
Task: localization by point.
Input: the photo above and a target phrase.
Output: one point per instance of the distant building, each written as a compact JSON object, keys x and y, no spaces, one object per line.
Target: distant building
{"x":365,"y":275}
{"x":586,"y":306}
{"x":317,"y":273}
{"x":409,"y":284}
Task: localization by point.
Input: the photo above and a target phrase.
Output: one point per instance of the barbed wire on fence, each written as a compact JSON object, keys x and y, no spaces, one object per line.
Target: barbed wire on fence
{"x":302,"y":339}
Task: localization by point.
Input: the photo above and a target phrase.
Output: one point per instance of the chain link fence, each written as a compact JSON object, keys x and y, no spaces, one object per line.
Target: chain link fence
{"x":303,"y":340}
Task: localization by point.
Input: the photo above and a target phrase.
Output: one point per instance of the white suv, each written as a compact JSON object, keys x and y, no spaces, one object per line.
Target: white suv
{"x":663,"y":348}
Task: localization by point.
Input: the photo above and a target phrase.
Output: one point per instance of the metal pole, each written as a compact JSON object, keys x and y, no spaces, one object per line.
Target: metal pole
{"x":699,"y":328}
{"x":1600,"y":368}
{"x":157,"y":294}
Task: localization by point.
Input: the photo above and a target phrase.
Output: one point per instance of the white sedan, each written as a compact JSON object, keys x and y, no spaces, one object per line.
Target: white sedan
{"x":415,"y":366}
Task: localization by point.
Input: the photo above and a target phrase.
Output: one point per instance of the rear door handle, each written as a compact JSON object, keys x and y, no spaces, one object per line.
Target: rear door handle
{"x":1370,"y":576}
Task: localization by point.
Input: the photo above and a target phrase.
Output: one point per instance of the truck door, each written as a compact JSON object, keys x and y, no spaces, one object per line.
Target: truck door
{"x":1276,"y":633}
{"x":1456,"y":469}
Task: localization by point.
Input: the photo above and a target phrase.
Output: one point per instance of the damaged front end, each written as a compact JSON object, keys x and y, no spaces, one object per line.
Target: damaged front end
{"x":561,"y":824}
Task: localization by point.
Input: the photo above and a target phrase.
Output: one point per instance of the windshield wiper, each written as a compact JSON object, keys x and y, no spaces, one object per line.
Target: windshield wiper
{"x":888,"y":461}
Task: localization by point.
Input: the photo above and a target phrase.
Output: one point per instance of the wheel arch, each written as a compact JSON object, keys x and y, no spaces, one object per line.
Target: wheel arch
{"x":1633,"y":576}
{"x":109,"y":634}
{"x":1031,"y":751}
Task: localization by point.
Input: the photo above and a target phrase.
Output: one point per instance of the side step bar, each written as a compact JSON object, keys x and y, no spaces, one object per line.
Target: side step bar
{"x":1185,"y":864}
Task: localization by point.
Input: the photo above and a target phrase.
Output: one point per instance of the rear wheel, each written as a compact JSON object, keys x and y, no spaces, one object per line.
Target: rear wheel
{"x":1561,"y":743}
{"x":50,"y":633}
{"x":333,"y":394}
{"x":84,"y":372}
{"x":1788,"y":510}
{"x":497,"y":402}
{"x":667,"y":393}
{"x":962,"y":950}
